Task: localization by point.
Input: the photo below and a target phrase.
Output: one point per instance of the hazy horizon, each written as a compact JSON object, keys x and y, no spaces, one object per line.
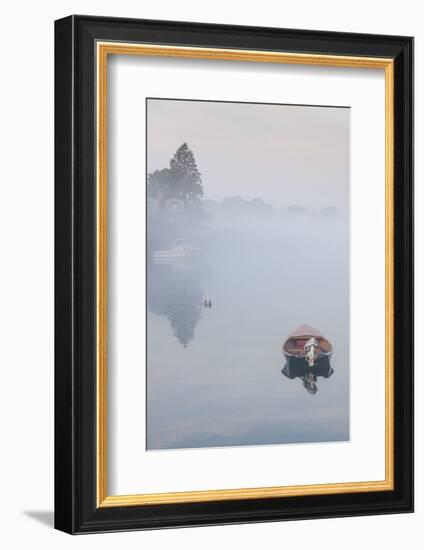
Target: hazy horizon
{"x":284,"y":154}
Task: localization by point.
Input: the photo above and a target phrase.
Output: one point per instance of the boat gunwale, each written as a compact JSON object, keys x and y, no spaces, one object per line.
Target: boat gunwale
{"x":313,"y":333}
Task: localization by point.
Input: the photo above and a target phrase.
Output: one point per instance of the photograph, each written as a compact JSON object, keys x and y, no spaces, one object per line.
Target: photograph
{"x":233,"y":272}
{"x":247,"y":273}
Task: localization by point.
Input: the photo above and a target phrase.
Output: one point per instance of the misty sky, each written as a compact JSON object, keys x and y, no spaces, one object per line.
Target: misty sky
{"x":283,"y":154}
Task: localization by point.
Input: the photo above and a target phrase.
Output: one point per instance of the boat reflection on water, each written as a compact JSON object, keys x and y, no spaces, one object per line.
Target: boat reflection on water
{"x":307,"y":355}
{"x":298,"y":368}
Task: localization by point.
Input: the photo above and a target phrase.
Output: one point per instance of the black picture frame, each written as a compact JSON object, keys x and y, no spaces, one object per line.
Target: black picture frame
{"x":76,"y":509}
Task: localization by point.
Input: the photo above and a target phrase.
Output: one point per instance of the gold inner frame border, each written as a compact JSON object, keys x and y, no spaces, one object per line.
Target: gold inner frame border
{"x":103,"y":50}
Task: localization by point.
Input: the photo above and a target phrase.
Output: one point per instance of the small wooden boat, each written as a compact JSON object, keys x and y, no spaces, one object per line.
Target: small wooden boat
{"x":307,"y":343}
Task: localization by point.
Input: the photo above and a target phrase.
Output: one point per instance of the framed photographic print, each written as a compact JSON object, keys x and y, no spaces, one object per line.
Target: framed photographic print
{"x":234,"y":274}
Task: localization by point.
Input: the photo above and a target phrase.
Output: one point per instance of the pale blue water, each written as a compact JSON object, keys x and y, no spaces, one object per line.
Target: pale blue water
{"x":214,"y":373}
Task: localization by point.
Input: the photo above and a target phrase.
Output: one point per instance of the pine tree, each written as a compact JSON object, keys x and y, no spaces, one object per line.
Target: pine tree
{"x":185,"y":176}
{"x":181,"y":180}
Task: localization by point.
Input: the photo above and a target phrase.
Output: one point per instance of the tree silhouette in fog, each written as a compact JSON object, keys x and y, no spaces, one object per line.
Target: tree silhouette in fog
{"x":182,"y":180}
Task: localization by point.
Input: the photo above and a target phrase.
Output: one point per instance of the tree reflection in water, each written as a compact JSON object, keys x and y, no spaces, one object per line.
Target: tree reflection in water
{"x":175,"y":290}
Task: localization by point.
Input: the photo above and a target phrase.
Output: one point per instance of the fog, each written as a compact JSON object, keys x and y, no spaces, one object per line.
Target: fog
{"x":234,"y":266}
{"x":283,"y":154}
{"x":214,"y":373}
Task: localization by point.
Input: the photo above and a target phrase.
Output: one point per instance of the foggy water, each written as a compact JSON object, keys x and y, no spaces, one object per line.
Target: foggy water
{"x":214,"y":369}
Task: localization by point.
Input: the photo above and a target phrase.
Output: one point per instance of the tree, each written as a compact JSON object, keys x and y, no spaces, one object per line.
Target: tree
{"x":159,"y":184}
{"x":181,"y":180}
{"x":187,"y":179}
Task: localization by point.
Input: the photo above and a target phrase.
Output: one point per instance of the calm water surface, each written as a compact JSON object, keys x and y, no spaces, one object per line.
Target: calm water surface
{"x":214,"y":373}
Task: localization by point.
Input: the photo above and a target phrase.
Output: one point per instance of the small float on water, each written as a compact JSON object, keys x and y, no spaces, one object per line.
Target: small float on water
{"x":308,"y":345}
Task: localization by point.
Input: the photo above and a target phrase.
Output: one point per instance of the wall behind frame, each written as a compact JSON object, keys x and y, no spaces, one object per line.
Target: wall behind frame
{"x":26,"y":276}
